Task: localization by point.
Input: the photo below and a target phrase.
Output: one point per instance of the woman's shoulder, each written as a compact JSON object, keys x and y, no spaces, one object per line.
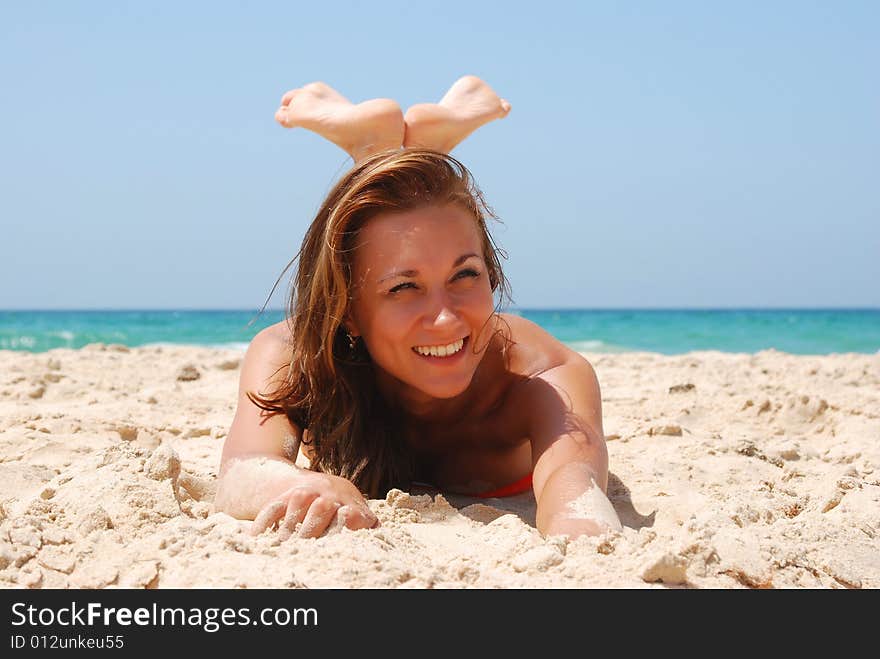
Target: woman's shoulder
{"x":279,"y":332}
{"x":532,"y":349}
{"x":538,"y":359}
{"x":269,"y":349}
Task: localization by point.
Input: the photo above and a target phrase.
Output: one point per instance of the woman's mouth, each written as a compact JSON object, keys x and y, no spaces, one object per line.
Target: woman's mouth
{"x":442,"y":352}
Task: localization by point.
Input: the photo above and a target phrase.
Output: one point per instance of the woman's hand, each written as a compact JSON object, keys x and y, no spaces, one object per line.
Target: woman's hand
{"x":572,"y":503}
{"x":574,"y":527}
{"x":315,"y":502}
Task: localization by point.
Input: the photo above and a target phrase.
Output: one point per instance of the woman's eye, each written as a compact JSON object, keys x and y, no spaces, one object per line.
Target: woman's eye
{"x":409,"y":284}
{"x":400,"y":287}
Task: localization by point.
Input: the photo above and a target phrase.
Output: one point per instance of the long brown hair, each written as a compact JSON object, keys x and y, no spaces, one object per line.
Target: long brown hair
{"x":329,"y":388}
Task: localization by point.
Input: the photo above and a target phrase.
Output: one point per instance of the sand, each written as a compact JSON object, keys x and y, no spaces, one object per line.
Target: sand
{"x":727,"y":471}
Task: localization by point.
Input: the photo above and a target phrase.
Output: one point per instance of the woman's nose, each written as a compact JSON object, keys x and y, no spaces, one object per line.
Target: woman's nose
{"x":446,"y":316}
{"x":442,"y":312}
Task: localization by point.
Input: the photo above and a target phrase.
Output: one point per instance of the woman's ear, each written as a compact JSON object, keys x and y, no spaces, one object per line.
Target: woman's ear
{"x":350,"y":326}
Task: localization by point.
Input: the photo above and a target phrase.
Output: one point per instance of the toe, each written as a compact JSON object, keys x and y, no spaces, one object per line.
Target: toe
{"x":288,"y":97}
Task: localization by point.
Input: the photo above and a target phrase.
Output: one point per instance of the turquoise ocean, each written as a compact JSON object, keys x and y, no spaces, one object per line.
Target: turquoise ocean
{"x":670,"y":332}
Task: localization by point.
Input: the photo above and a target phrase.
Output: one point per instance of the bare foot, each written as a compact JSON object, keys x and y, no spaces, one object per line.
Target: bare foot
{"x":362,"y":129}
{"x":467,"y":105}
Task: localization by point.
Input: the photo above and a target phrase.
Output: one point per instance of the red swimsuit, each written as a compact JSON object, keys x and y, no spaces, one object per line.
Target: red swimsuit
{"x":524,"y":484}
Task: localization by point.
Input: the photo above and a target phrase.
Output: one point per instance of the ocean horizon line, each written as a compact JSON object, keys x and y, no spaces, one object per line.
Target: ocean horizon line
{"x":817,"y":330}
{"x":523,"y":308}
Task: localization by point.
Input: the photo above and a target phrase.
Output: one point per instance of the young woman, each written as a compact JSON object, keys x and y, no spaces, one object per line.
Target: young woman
{"x":394,"y":366}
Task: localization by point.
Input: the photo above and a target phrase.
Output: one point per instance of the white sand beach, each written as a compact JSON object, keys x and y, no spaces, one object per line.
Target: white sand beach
{"x":727,"y":471}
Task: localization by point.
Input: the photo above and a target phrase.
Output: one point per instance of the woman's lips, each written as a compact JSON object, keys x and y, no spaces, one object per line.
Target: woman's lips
{"x":448,"y":359}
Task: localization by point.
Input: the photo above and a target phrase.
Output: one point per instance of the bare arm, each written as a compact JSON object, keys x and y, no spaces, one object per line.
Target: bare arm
{"x":259,"y":478}
{"x":568,"y":452}
{"x":260,"y":450}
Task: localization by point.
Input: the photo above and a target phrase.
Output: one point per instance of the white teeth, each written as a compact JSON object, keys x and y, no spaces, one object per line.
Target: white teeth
{"x":440,"y":351}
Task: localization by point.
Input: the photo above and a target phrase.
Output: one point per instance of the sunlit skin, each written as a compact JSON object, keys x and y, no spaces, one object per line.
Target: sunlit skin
{"x":475,"y":421}
{"x":442,"y":298}
{"x":378,"y":124}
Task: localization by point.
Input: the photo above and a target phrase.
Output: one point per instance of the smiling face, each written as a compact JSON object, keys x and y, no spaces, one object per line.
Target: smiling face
{"x":421,"y":302}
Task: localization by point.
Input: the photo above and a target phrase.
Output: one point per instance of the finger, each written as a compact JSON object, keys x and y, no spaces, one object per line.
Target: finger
{"x":270,"y":514}
{"x":375,"y":519}
{"x":356,"y":517}
{"x":296,"y":512}
{"x":321,"y":513}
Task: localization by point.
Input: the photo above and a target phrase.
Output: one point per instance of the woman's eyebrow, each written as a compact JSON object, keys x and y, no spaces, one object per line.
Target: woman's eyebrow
{"x":412,"y":273}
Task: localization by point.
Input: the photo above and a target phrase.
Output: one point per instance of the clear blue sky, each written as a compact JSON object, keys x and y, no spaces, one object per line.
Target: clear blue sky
{"x":658,"y":154}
